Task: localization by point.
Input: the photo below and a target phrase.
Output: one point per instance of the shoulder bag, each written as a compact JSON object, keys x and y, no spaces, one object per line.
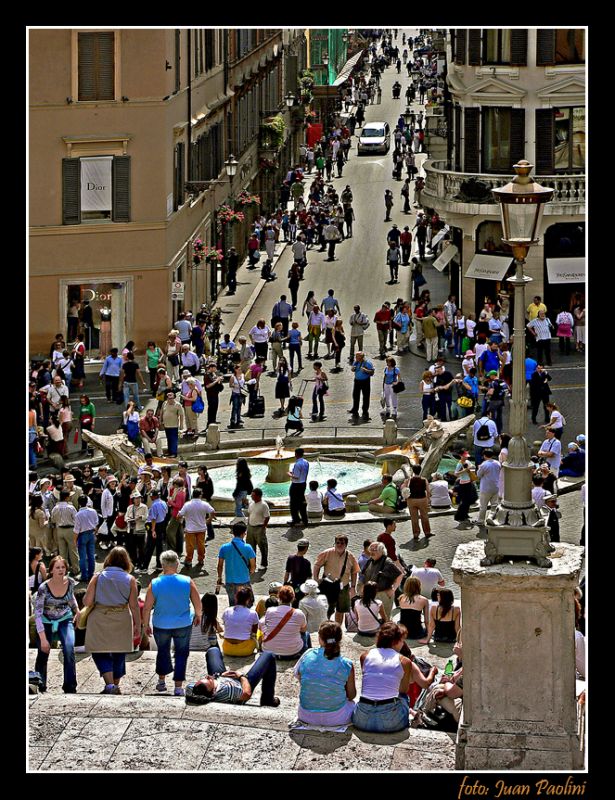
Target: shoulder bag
{"x":241,"y":555}
{"x":331,"y":589}
{"x":398,"y":387}
{"x":279,"y":626}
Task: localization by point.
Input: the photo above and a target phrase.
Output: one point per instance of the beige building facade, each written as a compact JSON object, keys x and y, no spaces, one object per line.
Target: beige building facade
{"x":512,"y":94}
{"x":119,"y":122}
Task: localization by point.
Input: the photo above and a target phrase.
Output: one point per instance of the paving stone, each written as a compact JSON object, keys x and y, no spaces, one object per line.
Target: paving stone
{"x":162,"y":744}
{"x":85,"y":744}
{"x":36,"y":756}
{"x":45,"y":729}
{"x":406,"y":758}
{"x":70,"y":705}
{"x":250,"y":715}
{"x":138,"y":706}
{"x":271,"y":750}
{"x":340,"y":752}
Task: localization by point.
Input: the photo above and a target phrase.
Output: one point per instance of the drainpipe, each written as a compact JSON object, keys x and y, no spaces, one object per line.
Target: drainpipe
{"x":189,"y":83}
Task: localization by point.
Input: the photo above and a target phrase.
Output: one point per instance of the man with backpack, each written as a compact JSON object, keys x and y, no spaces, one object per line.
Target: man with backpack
{"x":484,"y":432}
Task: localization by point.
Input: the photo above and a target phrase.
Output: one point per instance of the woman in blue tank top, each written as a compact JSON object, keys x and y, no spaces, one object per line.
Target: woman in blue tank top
{"x":169,"y":596}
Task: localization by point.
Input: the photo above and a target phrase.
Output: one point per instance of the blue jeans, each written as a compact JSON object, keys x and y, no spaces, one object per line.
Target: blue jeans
{"x":294,"y":350}
{"x":428,"y":401}
{"x":264,"y":669}
{"x":394,"y":716}
{"x":66,"y":635}
{"x":239,"y":509}
{"x":478,"y":455}
{"x":181,"y":640}
{"x":172,"y":439}
{"x":32,"y":447}
{"x":134,"y":388}
{"x":459,"y":336}
{"x":111,"y":662}
{"x":236,"y":402}
{"x":87,"y":560}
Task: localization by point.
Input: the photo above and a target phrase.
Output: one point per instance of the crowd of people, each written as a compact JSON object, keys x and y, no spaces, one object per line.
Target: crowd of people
{"x":163,"y":512}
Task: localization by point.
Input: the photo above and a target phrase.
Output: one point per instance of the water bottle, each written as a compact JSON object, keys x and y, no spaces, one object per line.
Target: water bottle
{"x":448,"y":669}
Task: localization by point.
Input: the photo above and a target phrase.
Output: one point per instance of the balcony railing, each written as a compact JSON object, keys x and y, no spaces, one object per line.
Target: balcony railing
{"x":443,"y":183}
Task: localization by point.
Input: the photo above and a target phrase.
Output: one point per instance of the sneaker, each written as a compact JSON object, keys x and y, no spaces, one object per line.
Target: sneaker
{"x":178,"y":692}
{"x":161,"y":686}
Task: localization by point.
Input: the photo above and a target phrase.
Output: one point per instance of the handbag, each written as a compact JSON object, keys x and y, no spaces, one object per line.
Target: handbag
{"x":419,"y":279}
{"x":465,"y":402}
{"x":398,"y":387}
{"x":331,"y":589}
{"x":198,"y":405}
{"x":244,"y":391}
{"x":83,"y":617}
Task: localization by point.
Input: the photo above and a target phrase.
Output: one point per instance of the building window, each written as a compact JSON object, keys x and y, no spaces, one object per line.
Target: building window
{"x":178,"y":175}
{"x":95,"y":189}
{"x":496,"y":47}
{"x":489,"y":238}
{"x":496,"y":139}
{"x":96,"y":66}
{"x":570,"y":46}
{"x":569,"y":145}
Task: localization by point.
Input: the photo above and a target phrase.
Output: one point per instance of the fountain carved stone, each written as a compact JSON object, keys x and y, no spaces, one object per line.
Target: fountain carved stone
{"x":278,"y":461}
{"x":119,"y":453}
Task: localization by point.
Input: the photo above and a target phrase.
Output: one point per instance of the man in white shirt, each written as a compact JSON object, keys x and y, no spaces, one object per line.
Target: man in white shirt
{"x":484,"y":434}
{"x":489,"y":475}
{"x":551,"y":449}
{"x":136,"y":517}
{"x":258,"y":519}
{"x":197,"y":513}
{"x":428,"y":576}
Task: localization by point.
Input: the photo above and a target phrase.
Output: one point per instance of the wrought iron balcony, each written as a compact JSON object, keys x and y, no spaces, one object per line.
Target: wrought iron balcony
{"x":470,"y":193}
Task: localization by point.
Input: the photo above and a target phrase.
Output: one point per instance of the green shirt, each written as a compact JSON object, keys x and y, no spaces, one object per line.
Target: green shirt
{"x":153,"y":357}
{"x":430,"y":327}
{"x":87,"y":410}
{"x":389,"y":496}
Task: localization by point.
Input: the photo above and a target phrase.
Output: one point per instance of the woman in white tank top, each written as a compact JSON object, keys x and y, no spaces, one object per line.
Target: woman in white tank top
{"x":383,"y":706}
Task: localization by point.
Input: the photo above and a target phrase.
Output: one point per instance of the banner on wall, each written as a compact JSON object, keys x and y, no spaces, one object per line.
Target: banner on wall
{"x":566,"y":270}
{"x":96,"y":194}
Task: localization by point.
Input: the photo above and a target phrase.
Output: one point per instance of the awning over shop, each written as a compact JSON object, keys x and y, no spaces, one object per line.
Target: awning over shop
{"x":566,"y":270}
{"x":448,"y":254}
{"x":490,"y":268}
{"x":345,"y":71}
{"x":439,"y":236}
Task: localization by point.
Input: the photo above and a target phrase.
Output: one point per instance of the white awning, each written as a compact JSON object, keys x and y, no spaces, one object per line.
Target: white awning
{"x":445,"y":256}
{"x":345,"y":71}
{"x":439,"y":236}
{"x":491,"y":268}
{"x":566,"y":270}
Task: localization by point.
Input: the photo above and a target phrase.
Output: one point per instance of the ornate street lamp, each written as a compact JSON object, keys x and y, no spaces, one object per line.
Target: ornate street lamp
{"x":408,"y":115}
{"x":231,"y":165}
{"x":289,"y":99}
{"x":325,"y":58}
{"x":517,"y":528}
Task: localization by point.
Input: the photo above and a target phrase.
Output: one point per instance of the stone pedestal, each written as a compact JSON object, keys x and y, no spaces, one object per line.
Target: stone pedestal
{"x":352,"y":503}
{"x":213,"y":436}
{"x":389,"y":433}
{"x":519,"y":709}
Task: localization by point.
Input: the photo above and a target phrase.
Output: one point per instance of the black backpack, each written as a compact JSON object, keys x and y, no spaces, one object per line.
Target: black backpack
{"x":483,"y":434}
{"x":401,"y":503}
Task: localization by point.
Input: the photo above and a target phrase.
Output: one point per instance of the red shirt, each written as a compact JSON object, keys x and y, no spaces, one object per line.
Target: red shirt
{"x":405,"y":237}
{"x":382,"y":319}
{"x":389,"y":542}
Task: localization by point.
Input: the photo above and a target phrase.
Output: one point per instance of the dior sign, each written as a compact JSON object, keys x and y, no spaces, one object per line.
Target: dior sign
{"x":96,"y":194}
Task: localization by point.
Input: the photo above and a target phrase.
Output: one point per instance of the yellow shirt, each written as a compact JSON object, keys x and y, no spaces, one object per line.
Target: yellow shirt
{"x":533,"y":309}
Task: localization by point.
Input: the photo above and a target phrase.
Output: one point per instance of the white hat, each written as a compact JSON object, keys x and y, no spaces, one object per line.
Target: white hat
{"x":310,"y":587}
{"x":135,"y":494}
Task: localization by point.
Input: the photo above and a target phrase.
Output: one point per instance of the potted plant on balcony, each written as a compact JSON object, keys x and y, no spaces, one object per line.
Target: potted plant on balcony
{"x":306,"y":82}
{"x":244,"y":198}
{"x":225,"y":215}
{"x":198,"y":251}
{"x":272,"y":133}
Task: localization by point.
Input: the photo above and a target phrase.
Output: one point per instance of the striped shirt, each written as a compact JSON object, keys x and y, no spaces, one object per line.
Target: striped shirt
{"x":542,"y":328}
{"x":63,"y":515}
{"x":228,"y":690}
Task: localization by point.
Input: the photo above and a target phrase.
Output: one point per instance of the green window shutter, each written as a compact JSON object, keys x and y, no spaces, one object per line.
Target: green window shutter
{"x":471,"y":124}
{"x":545,"y":47}
{"x":545,"y":141}
{"x":518,"y":47}
{"x":461,"y":38}
{"x":121,"y":189}
{"x":96,"y":70}
{"x":517,"y":135}
{"x":474,"y":47}
{"x":71,"y":191}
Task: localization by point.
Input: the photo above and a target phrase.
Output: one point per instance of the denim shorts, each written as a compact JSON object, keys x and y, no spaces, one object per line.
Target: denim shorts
{"x":388,"y":718}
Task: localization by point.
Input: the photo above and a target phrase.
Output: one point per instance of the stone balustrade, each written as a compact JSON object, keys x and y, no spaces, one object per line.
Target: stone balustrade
{"x":444,"y":184}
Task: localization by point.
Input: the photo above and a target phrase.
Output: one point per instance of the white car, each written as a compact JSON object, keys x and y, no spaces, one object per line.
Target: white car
{"x":375,"y":138}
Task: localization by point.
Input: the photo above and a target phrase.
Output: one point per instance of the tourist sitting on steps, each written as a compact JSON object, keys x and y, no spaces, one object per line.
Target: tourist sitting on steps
{"x":240,"y":625}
